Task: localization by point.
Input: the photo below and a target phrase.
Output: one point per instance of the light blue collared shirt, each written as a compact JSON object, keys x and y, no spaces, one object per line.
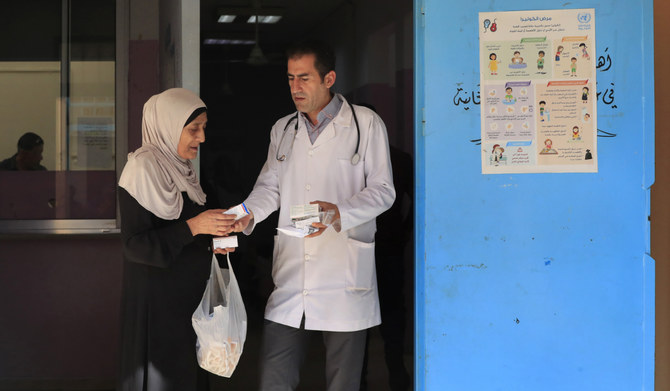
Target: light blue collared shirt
{"x":323,"y":118}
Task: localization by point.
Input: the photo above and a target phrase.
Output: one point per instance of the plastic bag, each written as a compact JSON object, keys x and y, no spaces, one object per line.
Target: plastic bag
{"x":220,"y":322}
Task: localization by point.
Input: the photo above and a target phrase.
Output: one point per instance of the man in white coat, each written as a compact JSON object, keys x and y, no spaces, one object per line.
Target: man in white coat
{"x":336,"y":155}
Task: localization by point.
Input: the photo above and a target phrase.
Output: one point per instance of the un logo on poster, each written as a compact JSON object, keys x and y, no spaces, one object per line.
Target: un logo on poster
{"x":584,"y":17}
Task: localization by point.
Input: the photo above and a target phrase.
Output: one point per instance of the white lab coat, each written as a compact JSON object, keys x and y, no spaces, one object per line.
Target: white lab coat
{"x":331,"y":278}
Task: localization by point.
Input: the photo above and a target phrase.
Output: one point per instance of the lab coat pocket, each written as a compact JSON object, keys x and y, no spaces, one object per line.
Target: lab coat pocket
{"x":361,"y":272}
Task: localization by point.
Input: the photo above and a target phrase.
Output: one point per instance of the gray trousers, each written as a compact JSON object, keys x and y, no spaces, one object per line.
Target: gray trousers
{"x":284,"y":349}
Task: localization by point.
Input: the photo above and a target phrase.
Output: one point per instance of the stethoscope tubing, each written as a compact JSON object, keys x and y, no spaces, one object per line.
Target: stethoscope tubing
{"x":354,"y":159}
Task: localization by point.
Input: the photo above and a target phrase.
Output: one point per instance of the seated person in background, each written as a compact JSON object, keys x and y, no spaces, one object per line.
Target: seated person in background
{"x":28,"y":156}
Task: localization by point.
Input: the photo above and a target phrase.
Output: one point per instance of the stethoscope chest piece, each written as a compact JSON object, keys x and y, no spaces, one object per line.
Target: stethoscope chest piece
{"x":355,"y":159}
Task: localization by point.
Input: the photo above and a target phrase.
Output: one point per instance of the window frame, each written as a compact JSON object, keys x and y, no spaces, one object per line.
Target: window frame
{"x":89,"y":226}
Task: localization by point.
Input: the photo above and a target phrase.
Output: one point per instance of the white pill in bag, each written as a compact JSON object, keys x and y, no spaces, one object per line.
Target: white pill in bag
{"x":220,"y":322}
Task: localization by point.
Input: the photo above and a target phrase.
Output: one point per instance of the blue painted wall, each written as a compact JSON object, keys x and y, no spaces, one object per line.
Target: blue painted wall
{"x":533,"y":281}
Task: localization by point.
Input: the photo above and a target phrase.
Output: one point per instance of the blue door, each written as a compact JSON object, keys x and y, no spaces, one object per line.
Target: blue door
{"x":533,"y":281}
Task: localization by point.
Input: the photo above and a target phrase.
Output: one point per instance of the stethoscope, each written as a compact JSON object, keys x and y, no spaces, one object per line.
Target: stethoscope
{"x":354,"y":159}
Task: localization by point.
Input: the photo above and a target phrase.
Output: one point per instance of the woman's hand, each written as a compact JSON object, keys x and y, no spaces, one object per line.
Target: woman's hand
{"x":212,"y":222}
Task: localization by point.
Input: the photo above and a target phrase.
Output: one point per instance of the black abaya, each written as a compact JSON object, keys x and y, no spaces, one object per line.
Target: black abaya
{"x":165,"y":274}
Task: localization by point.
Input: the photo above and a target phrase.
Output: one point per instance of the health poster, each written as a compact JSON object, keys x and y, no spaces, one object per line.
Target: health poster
{"x":538,"y":91}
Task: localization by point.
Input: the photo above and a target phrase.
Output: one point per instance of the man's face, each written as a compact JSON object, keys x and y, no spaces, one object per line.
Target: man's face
{"x":191,"y":136}
{"x":30,"y":159}
{"x":309,"y":92}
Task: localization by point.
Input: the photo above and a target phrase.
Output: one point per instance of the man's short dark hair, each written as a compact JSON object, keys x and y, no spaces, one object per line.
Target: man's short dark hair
{"x":324,"y":56}
{"x":29,"y":141}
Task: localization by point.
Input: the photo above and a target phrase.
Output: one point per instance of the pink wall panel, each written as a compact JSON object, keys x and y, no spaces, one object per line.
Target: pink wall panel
{"x":143,"y":82}
{"x":60,"y":307}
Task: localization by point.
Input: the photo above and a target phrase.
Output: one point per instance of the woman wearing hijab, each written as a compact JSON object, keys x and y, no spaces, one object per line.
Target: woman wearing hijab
{"x":165,"y":230}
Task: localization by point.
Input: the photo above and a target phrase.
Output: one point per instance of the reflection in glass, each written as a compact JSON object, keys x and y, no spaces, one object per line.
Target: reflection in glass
{"x":59,"y":83}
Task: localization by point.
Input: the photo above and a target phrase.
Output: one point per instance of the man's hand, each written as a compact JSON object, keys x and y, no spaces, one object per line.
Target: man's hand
{"x":335,"y":221}
{"x":242,"y":224}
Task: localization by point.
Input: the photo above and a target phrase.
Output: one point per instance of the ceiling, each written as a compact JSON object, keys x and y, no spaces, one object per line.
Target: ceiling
{"x":299,"y":17}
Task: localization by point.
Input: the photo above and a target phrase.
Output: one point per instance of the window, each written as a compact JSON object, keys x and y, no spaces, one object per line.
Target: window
{"x":57,"y":69}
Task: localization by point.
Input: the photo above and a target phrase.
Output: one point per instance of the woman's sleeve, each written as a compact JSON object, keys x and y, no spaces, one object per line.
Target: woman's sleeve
{"x":143,"y":241}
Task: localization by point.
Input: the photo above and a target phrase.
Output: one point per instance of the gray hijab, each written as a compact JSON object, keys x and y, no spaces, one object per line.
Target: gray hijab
{"x":155,"y":174}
